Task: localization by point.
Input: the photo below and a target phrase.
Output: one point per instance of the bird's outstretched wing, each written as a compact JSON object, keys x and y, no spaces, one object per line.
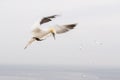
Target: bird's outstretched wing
{"x":64,"y":28}
{"x":47,"y":19}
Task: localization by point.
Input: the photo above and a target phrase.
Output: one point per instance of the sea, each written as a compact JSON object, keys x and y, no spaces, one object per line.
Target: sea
{"x":30,"y":72}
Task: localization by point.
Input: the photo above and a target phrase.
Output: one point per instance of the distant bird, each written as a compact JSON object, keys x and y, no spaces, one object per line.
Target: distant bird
{"x":39,"y":34}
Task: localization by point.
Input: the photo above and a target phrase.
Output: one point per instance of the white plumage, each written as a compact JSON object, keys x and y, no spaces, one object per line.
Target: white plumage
{"x":39,"y":34}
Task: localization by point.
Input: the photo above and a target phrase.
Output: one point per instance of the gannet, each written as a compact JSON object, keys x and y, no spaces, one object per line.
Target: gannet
{"x":39,"y":34}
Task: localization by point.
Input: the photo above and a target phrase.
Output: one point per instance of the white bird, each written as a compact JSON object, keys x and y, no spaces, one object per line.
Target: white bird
{"x":39,"y":34}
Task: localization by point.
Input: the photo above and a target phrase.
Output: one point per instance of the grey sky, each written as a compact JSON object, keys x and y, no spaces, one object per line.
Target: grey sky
{"x":99,"y":20}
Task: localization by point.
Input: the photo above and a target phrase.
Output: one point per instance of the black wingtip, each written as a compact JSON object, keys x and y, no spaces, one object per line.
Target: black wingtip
{"x":71,"y":26}
{"x":53,"y":16}
{"x":47,"y":19}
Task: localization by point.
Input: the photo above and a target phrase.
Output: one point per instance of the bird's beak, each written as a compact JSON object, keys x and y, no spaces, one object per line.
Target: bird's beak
{"x":53,"y":35}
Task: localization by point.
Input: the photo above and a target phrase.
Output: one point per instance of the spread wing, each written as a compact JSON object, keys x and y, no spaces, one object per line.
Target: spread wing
{"x":47,"y":19}
{"x":64,"y":28}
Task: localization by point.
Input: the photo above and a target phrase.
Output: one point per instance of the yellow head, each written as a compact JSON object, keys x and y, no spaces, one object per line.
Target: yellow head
{"x":52,"y":30}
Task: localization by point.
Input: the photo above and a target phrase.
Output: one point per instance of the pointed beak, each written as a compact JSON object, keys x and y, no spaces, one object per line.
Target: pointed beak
{"x":53,"y":35}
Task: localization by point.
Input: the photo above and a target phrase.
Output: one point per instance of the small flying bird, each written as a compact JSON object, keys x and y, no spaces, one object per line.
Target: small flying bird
{"x":40,"y":34}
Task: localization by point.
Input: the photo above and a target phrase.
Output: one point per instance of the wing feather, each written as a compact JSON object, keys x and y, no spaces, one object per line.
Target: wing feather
{"x":64,"y":28}
{"x":47,"y":19}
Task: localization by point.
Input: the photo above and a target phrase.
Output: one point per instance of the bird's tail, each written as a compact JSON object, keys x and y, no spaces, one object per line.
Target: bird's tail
{"x":29,"y":43}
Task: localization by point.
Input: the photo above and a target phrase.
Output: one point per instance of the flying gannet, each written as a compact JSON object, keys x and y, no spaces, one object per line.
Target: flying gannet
{"x":39,"y":34}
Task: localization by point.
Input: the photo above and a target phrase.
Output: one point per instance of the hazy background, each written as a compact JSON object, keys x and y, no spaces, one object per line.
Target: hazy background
{"x":95,"y":42}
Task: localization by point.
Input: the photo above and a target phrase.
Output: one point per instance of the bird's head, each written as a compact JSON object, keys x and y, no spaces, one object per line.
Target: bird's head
{"x":53,"y":32}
